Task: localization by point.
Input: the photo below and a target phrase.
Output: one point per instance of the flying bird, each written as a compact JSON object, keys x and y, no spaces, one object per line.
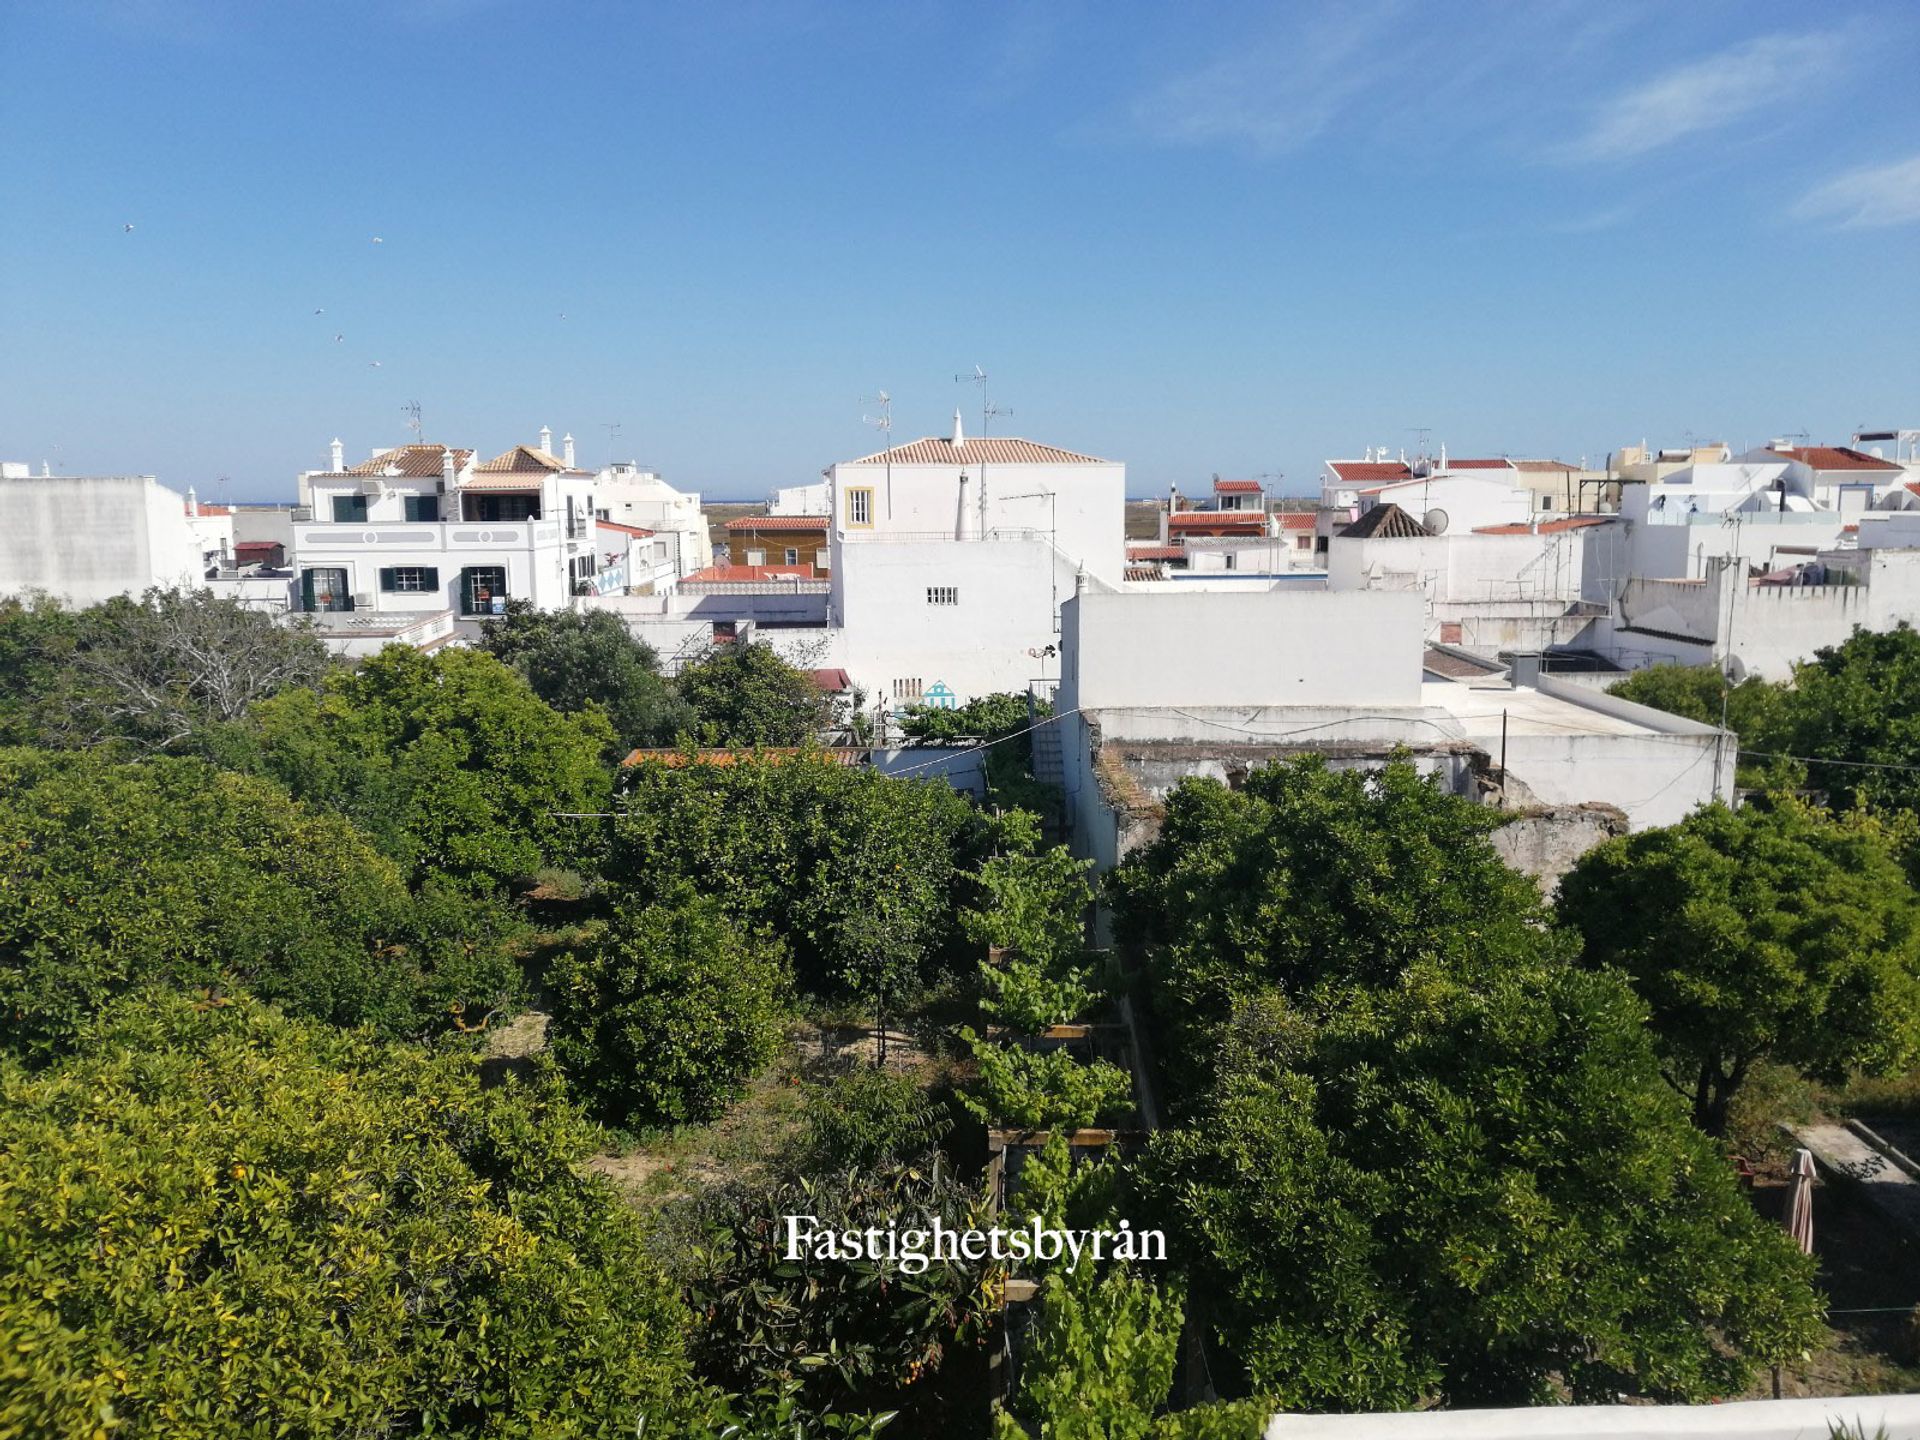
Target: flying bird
{"x":379,"y":240}
{"x":338,"y":338}
{"x":128,"y":228}
{"x":374,"y":364}
{"x":321,"y":311}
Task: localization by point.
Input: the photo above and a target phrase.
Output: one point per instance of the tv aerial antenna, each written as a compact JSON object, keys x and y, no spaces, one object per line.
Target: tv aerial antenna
{"x":883,"y":422}
{"x":987,"y":408}
{"x":612,"y":427}
{"x":412,"y":412}
{"x":1421,"y":434}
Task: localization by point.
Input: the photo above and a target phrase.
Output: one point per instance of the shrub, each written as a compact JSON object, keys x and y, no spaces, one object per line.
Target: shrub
{"x":1046,"y":1090}
{"x":868,"y":1118}
{"x":747,"y":695}
{"x":219,"y":1222}
{"x":660,"y":1019}
{"x":1030,"y":997}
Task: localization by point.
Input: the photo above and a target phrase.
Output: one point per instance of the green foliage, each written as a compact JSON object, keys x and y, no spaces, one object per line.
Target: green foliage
{"x":747,"y":695}
{"x":1030,"y":997}
{"x":576,"y":659}
{"x":1859,"y":702}
{"x":448,"y":761}
{"x":1034,"y":904}
{"x":867,"y":1118}
{"x":161,"y":673}
{"x":861,"y":875}
{"x":1099,"y":1360}
{"x":1754,"y":710}
{"x":660,"y":1018}
{"x":1468,"y":1191}
{"x":1764,"y":933}
{"x":217,"y":1222}
{"x":116,"y":874}
{"x":986,"y":717}
{"x":1309,"y":875}
{"x":1063,"y":1194}
{"x":860,"y":1331}
{"x":1045,"y":1089}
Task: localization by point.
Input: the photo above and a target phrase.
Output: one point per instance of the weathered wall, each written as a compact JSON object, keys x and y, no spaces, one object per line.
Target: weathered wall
{"x":87,"y":538}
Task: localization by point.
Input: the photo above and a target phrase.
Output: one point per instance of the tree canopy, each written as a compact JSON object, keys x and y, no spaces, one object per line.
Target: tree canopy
{"x":1771,"y":932}
{"x":1859,"y":702}
{"x":576,"y":659}
{"x":660,"y":1018}
{"x":745,"y":694}
{"x":1468,"y":1193}
{"x":220,"y":1222}
{"x":116,"y":874}
{"x":448,"y":761}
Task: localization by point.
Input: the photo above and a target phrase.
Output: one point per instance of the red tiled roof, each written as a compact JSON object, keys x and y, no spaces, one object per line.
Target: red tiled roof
{"x":777,"y":522}
{"x":1296,"y":519}
{"x":1546,"y":527}
{"x":623,"y":529}
{"x":1141,"y":572}
{"x":208,"y":509}
{"x":1370,"y":469}
{"x":1914,"y":486}
{"x":1236,"y":487}
{"x":1501,"y":464}
{"x":1836,"y":457}
{"x":1559,"y":465}
{"x":521,"y":460}
{"x":1155,"y":552}
{"x":256,"y":547}
{"x":1204,"y":521}
{"x":833,"y":681}
{"x":994,"y":450}
{"x":418,"y":462}
{"x":734,"y":574}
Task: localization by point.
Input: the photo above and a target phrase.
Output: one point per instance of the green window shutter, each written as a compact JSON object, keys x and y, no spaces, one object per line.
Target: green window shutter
{"x":429,"y":578}
{"x":306,"y":591}
{"x":386,"y":578}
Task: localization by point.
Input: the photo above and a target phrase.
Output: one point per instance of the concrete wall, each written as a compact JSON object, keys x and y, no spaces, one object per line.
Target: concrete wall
{"x":87,"y":538}
{"x":1278,"y":647}
{"x":1895,"y":1416}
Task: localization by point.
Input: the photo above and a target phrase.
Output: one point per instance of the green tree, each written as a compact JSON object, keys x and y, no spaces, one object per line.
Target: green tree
{"x":1034,"y":904}
{"x":1045,"y":1089}
{"x":576,"y":659}
{"x":161,"y":673}
{"x":807,"y":848}
{"x":1308,"y":875}
{"x":1858,"y":705}
{"x":747,"y":695}
{"x":866,"y":1118}
{"x":112,"y":875}
{"x":660,"y":1019}
{"x":1100,"y":1358}
{"x":987,"y":717}
{"x":219,"y":1222}
{"x":448,"y":761}
{"x":1768,"y":933}
{"x":1460,"y":1192}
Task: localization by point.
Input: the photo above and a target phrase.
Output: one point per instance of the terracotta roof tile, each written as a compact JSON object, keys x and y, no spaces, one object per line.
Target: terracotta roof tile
{"x":994,"y":450}
{"x":1221,"y":521}
{"x":1236,"y":487}
{"x":417,"y":462}
{"x":739,"y":574}
{"x":1155,"y":552}
{"x":1500,"y":464}
{"x":777,"y":522}
{"x":1537,"y":465}
{"x":1296,"y":519}
{"x":1546,"y":527}
{"x":1385,"y":522}
{"x":1141,"y":572}
{"x":623,"y":529}
{"x":1370,"y":469}
{"x":1836,"y":457}
{"x":521,"y":460}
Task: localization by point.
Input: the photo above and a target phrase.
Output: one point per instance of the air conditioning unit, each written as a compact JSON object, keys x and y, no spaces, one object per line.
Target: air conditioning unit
{"x":371,"y":487}
{"x":363,"y":600}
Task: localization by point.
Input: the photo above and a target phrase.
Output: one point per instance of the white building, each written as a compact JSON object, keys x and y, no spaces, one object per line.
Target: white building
{"x":1156,"y":687}
{"x":420,"y":529}
{"x":87,"y":538}
{"x":629,"y":494}
{"x":1840,"y":478}
{"x":800,"y":500}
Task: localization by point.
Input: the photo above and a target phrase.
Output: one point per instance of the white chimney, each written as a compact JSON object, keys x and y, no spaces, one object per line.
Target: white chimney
{"x":193,"y":501}
{"x":339,"y":457}
{"x":567,"y":441}
{"x":968,"y":525}
{"x":546,"y":441}
{"x":959,"y":435}
{"x":446,"y":467}
{"x":1443,"y":455}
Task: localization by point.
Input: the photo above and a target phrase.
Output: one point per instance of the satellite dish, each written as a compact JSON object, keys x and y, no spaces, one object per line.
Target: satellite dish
{"x":1734,"y":668}
{"x":1436,"y":521}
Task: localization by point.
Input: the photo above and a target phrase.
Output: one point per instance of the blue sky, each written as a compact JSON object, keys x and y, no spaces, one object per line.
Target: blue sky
{"x":1198,"y":239}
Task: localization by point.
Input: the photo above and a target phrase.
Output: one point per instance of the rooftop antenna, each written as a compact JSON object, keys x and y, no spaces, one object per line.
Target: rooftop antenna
{"x":612,"y":427}
{"x":883,"y":422}
{"x":1420,"y":432}
{"x":412,"y":412}
{"x":987,"y":409}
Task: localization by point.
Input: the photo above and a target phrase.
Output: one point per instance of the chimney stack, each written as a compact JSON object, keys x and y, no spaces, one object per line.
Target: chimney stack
{"x":339,"y":457}
{"x":959,"y":435}
{"x":193,"y":501}
{"x":567,"y":441}
{"x":546,"y":441}
{"x":446,"y":467}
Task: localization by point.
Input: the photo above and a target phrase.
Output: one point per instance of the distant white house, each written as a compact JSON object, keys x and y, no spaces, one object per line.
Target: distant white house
{"x":421,"y":529}
{"x":629,"y":494}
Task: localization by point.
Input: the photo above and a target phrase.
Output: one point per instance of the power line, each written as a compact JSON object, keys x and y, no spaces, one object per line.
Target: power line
{"x":1850,"y":764}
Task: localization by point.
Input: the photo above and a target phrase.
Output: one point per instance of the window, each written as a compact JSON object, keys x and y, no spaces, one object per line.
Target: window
{"x":580,"y":573}
{"x":423,"y":507}
{"x":860,"y":507}
{"x":349,"y":507}
{"x":324,"y":589}
{"x":503,"y":507}
{"x":410,"y":579}
{"x":793,"y":556}
{"x":943,"y":595}
{"x":756,"y":557}
{"x":483,"y":590}
{"x":1303,"y":542}
{"x":906,"y":692}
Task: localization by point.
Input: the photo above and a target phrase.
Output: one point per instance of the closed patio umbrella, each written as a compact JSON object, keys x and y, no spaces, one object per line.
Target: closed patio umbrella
{"x":1800,"y":1201}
